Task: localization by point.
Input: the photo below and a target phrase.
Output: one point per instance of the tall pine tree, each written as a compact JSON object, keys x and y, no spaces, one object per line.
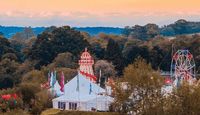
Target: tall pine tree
{"x":113,"y":54}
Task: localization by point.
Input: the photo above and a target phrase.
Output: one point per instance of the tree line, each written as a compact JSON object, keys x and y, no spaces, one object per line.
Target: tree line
{"x":25,"y":59}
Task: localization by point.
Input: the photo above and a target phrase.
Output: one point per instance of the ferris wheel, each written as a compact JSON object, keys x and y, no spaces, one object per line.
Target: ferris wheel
{"x":182,"y":67}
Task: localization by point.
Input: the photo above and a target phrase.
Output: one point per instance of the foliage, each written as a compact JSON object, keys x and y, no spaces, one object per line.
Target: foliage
{"x":139,"y":89}
{"x":59,"y":48}
{"x":107,"y":70}
{"x":142,"y":32}
{"x":8,"y":70}
{"x":5,"y":47}
{"x":10,"y":56}
{"x":130,"y":53}
{"x":50,"y":44}
{"x":113,"y":54}
{"x":43,"y":100}
{"x":13,"y":102}
{"x":180,"y":27}
{"x":140,"y":93}
{"x":64,"y":60}
{"x":16,"y":112}
{"x":25,"y":34}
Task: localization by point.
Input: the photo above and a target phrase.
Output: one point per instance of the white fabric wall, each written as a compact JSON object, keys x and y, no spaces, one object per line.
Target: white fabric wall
{"x":102,"y":102}
{"x":99,"y":104}
{"x":55,"y":104}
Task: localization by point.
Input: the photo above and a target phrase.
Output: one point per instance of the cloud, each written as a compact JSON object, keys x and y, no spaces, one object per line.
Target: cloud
{"x":82,"y":18}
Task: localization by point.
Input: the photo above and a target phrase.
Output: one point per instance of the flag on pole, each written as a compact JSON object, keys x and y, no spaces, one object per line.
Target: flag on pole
{"x":54,"y":78}
{"x":62,"y":82}
{"x":100,"y":77}
{"x":77,"y":88}
{"x":90,"y":88}
{"x":51,"y":80}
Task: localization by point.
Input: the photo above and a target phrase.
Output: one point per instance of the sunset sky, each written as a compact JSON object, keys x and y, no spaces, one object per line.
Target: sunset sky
{"x":117,"y":13}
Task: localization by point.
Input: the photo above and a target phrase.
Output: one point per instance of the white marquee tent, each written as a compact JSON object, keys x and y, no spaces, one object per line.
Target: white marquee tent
{"x":55,"y":91}
{"x":82,"y":94}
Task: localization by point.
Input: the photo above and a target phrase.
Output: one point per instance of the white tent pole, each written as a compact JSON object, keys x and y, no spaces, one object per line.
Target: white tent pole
{"x":98,"y":88}
{"x":106,"y":92}
{"x":78,"y":90}
{"x":99,"y":77}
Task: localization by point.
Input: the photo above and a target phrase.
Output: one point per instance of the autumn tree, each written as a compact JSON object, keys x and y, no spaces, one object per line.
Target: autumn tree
{"x":184,"y":100}
{"x":139,"y":89}
{"x":34,"y":98}
{"x":64,"y":60}
{"x":107,"y":70}
{"x":8,"y":70}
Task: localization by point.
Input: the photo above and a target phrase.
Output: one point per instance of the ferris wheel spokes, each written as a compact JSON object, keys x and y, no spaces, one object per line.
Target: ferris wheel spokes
{"x":182,"y":66}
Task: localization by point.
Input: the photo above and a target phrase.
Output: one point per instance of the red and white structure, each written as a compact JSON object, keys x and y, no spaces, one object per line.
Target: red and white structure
{"x":86,"y":66}
{"x":183,"y":67}
{"x":82,"y":93}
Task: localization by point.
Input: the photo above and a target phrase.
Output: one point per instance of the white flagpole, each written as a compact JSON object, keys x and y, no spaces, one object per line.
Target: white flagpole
{"x":100,"y":77}
{"x":98,"y":89}
{"x":78,"y":88}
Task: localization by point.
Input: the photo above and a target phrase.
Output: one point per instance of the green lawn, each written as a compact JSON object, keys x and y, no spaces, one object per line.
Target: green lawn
{"x":58,"y":112}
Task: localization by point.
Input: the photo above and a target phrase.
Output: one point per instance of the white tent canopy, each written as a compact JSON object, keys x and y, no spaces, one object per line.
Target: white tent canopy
{"x":57,"y":89}
{"x":83,"y":85}
{"x":81,"y":93}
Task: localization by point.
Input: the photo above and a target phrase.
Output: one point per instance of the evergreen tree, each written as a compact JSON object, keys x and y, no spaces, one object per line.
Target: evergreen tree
{"x":113,"y":54}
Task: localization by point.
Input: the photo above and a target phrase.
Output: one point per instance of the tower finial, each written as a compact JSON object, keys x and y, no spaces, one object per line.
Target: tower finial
{"x":86,"y":49}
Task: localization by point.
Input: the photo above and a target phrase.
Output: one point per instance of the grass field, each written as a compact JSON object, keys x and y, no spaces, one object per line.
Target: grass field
{"x":58,"y":112}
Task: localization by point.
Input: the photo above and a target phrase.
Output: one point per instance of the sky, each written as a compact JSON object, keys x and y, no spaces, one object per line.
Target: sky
{"x":82,"y":13}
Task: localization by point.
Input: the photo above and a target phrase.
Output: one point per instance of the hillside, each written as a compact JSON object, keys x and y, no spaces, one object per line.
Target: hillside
{"x":9,"y":31}
{"x":150,"y":30}
{"x":96,"y":30}
{"x":147,"y":31}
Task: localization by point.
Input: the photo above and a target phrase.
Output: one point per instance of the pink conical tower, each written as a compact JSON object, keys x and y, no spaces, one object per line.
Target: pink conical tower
{"x":86,"y":65}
